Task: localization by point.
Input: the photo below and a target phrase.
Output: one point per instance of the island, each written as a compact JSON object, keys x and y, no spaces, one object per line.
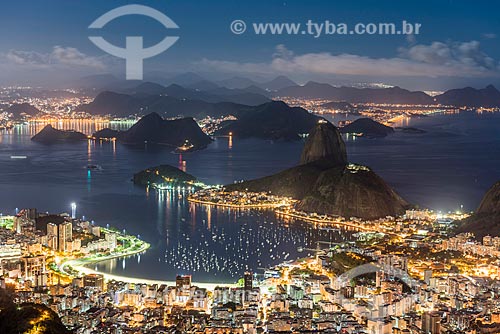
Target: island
{"x":166,"y":177}
{"x":410,"y":130}
{"x":50,"y":135}
{"x":106,"y":133}
{"x":183,"y":134}
{"x":367,"y":127}
{"x":274,"y":120}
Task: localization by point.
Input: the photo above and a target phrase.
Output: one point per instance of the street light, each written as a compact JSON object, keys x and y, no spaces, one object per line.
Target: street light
{"x":73,"y":210}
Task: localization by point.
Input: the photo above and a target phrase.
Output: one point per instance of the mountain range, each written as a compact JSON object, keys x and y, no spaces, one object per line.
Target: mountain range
{"x":123,"y":105}
{"x":485,"y":97}
{"x":253,"y":96}
{"x":356,"y":95}
{"x":463,"y":97}
{"x":210,"y":99}
{"x":270,"y":120}
{"x":189,"y":80}
{"x":172,"y":101}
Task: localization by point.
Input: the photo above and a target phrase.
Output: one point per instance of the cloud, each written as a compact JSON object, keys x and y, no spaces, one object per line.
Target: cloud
{"x":71,"y":56}
{"x":26,"y":57}
{"x":463,"y":59}
{"x":489,"y":35}
{"x":411,"y":39}
{"x":437,"y":53}
{"x":234,"y":67}
{"x":282,"y":52}
{"x":466,"y":54}
{"x":60,"y":56}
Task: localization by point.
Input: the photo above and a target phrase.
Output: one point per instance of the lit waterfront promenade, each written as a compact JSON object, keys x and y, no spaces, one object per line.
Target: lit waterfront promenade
{"x":240,"y":206}
{"x":332,"y":221}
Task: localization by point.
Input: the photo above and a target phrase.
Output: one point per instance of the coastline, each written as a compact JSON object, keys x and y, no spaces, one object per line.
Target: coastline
{"x":108,"y":277}
{"x":331,"y":222}
{"x":80,"y":265}
{"x":237,"y":206}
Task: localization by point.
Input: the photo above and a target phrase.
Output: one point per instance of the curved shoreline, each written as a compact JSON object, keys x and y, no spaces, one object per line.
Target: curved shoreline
{"x":332,"y":222}
{"x":81,"y":264}
{"x":137,"y":280}
{"x":236,"y":206}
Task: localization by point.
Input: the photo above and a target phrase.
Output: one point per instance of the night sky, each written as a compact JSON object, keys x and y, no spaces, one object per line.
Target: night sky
{"x":46,"y":42}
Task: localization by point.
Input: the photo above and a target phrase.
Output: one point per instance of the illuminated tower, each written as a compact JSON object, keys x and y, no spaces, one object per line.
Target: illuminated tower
{"x":73,"y":210}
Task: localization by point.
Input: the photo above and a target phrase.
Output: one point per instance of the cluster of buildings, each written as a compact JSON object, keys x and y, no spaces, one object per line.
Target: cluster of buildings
{"x":465,"y":243}
{"x":380,"y":112}
{"x":221,"y":197}
{"x":52,"y":104}
{"x":30,"y":241}
{"x":417,"y":283}
{"x":210,"y":125}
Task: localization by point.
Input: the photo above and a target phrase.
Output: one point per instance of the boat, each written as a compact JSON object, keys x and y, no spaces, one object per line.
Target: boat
{"x":186,"y":147}
{"x":18,"y":157}
{"x":94,"y":167}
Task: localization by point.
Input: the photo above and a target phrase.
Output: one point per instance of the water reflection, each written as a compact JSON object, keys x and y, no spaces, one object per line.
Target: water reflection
{"x":416,"y":165}
{"x":87,"y":127}
{"x":220,"y":243}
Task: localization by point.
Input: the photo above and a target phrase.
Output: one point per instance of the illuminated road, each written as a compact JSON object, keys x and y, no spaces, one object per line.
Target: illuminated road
{"x":326,"y":221}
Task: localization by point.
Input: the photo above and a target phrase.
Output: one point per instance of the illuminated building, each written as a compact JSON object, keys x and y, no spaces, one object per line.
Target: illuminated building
{"x":34,"y":270}
{"x":182,"y":288}
{"x":94,"y":281}
{"x":431,"y":322}
{"x":10,"y":251}
{"x":96,"y":230}
{"x":248,"y":281}
{"x":111,"y":238}
{"x":132,"y":298}
{"x":427,"y":276}
{"x":65,"y":234}
{"x":18,"y":226}
{"x":29,"y":213}
{"x":52,"y":236}
{"x":183,"y":282}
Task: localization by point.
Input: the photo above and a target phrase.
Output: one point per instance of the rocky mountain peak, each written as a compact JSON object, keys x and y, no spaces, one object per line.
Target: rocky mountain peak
{"x":324,"y":143}
{"x":491,"y":201}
